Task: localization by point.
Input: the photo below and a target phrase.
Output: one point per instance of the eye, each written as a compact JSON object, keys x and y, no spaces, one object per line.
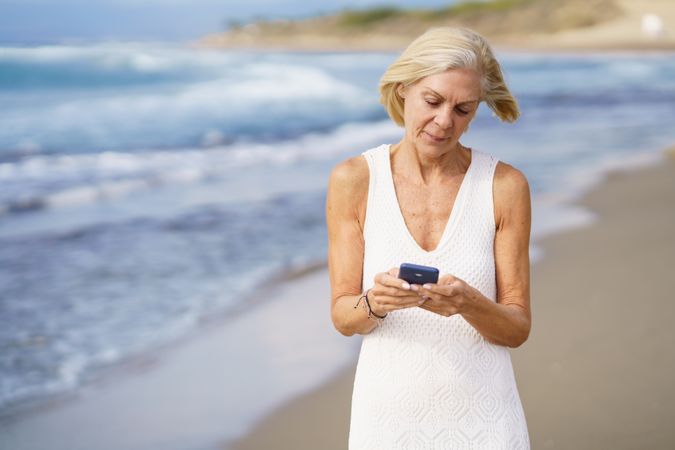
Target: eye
{"x":432,"y":103}
{"x":463,"y":112}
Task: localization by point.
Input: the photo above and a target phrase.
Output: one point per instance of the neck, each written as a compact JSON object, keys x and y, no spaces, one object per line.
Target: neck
{"x":426,"y":168}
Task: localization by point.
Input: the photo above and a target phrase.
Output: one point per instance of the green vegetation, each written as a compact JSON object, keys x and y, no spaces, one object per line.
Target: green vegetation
{"x":491,"y":17}
{"x":369,"y":17}
{"x":471,"y":7}
{"x":361,"y":18}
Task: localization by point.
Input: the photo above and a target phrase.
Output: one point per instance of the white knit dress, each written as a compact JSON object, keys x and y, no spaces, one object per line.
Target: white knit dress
{"x":424,"y":381}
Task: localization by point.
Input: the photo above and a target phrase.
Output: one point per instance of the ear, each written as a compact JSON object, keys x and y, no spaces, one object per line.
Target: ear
{"x":400,"y":90}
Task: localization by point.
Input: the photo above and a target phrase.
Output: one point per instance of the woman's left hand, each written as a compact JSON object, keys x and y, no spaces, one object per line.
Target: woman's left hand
{"x":448,"y":297}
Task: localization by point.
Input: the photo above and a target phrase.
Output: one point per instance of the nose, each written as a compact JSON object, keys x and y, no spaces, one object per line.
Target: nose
{"x":444,"y":118}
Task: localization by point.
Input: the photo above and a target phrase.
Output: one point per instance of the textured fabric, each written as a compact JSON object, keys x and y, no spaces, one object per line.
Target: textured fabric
{"x":424,"y":381}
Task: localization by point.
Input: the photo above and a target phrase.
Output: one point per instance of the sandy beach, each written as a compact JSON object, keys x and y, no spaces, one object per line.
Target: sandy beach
{"x":598,"y":367}
{"x":201,"y":391}
{"x":163,"y":238}
{"x":595,"y":373}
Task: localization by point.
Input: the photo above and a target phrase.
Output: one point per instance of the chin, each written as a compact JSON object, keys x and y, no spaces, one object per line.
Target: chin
{"x":427,"y":140}
{"x":430,"y":151}
{"x":437,"y":146}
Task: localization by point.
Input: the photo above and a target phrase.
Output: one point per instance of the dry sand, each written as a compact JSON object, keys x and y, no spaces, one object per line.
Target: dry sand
{"x":597,"y":370}
{"x":622,"y":33}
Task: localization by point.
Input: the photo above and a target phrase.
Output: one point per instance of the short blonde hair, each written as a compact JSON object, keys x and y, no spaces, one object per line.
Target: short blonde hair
{"x":438,"y":50}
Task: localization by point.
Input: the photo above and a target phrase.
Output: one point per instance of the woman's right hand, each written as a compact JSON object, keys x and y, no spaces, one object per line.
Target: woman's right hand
{"x":390,"y":293}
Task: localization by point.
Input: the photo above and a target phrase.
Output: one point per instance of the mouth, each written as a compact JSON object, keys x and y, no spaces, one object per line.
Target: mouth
{"x":435,"y":138}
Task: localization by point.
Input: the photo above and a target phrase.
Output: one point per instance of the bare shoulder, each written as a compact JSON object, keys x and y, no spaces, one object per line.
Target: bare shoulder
{"x":510,"y":179}
{"x":348,"y":191}
{"x":511,"y":193}
{"x":350,"y":177}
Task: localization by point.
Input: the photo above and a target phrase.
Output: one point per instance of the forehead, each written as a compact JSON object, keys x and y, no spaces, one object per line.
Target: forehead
{"x":461,"y":84}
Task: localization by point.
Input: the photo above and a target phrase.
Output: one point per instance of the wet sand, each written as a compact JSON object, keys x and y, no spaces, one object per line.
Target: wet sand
{"x":598,"y":367}
{"x":209,"y":387}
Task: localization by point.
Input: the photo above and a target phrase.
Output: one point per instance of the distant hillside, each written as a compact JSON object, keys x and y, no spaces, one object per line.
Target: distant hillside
{"x":529,"y":23}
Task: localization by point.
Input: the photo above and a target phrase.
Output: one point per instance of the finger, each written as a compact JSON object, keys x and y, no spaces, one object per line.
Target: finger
{"x":386,"y":303}
{"x":429,"y":306}
{"x":431,"y":296}
{"x":438,"y":289}
{"x":395,"y":282}
{"x":446,"y":279}
{"x":386,"y":279}
{"x":400,"y":298}
{"x":437,"y":309}
{"x":392,"y":291}
{"x":426,"y":306}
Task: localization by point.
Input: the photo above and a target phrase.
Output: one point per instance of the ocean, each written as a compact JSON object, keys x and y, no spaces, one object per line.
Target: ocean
{"x":146,"y":189}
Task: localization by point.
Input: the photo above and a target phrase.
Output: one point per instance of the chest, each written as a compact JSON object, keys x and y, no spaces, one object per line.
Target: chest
{"x":426,"y":210}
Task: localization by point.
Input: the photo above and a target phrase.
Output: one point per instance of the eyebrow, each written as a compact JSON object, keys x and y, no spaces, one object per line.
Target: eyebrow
{"x":460,"y":103}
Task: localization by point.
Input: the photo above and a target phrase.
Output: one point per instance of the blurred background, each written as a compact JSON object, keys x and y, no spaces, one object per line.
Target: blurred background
{"x":164,"y":163}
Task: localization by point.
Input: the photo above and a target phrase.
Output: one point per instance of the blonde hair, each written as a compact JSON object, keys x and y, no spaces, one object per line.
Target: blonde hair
{"x":438,"y":50}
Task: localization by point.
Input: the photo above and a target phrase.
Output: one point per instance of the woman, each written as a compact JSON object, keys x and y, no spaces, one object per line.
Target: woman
{"x":434,"y":369}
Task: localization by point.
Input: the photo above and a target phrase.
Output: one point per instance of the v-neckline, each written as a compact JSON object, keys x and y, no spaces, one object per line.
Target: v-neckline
{"x":457,"y":206}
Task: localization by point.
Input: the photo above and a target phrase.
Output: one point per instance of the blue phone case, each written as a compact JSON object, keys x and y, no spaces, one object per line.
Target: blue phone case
{"x":417,"y":274}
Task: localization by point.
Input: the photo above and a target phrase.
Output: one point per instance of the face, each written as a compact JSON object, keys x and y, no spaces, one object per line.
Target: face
{"x":438,"y":109}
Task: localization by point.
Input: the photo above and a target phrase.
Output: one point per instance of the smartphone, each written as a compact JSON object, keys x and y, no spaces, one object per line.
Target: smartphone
{"x":416,"y":274}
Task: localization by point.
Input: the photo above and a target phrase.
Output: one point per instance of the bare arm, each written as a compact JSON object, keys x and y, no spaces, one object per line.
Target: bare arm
{"x":508,"y":321}
{"x":345,"y":213}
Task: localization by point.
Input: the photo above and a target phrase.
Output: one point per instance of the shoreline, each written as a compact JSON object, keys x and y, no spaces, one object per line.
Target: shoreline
{"x":295,"y":420}
{"x":577,"y":389}
{"x":149,"y":359}
{"x":210,"y":386}
{"x":497,"y":47}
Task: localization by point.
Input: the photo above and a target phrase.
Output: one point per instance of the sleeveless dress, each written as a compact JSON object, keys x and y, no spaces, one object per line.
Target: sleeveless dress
{"x":424,"y":381}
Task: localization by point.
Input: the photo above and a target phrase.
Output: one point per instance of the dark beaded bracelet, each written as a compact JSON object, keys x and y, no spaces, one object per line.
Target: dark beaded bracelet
{"x":371,"y":314}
